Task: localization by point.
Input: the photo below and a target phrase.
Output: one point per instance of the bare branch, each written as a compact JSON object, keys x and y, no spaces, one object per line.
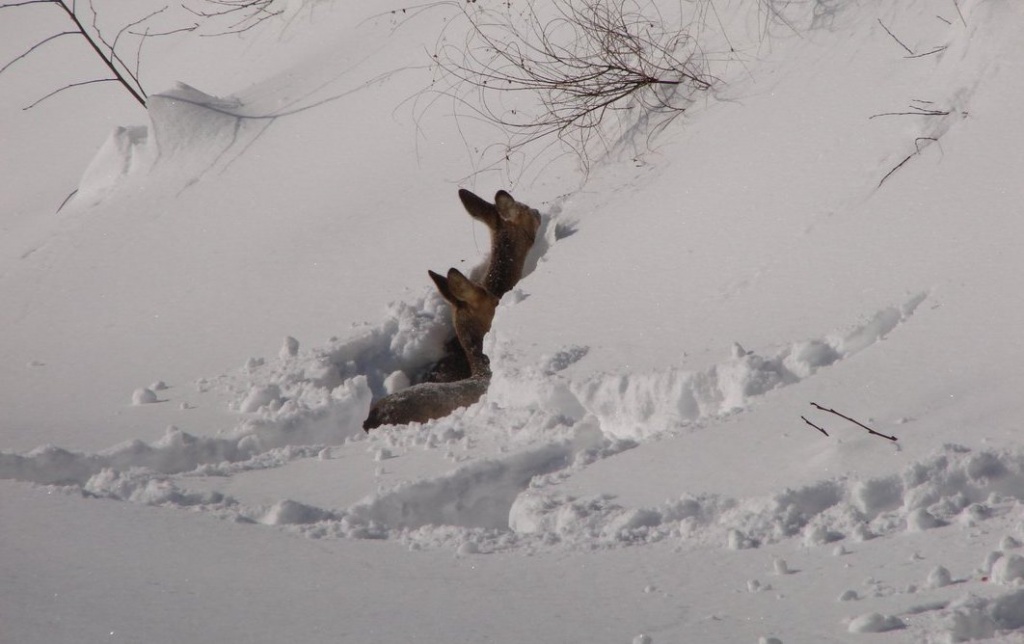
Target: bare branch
{"x":27,"y":2}
{"x":855,"y":422}
{"x":928,"y":53}
{"x":170,"y":32}
{"x":37,"y":46}
{"x":67,"y":199}
{"x":108,"y":61}
{"x":814,"y":426}
{"x":918,"y":112}
{"x":250,"y":14}
{"x":898,"y":166}
{"x":959,"y":13}
{"x":909,"y":50}
{"x":113,"y":56}
{"x":69,"y":86}
{"x":591,"y":60}
{"x":917,"y":150}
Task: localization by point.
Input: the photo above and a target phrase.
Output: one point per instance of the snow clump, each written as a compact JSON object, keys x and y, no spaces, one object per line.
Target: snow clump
{"x":875,"y":623}
{"x":289,"y":348}
{"x":261,"y":396}
{"x":939,"y":577}
{"x":1009,"y":570}
{"x":976,"y":618}
{"x":143,"y":396}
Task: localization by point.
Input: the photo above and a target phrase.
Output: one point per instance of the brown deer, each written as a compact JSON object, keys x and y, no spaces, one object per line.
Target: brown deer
{"x":472,"y":311}
{"x":513,"y":227}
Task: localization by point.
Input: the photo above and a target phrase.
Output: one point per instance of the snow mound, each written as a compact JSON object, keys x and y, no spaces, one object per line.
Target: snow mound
{"x":125,"y":153}
{"x":875,"y":623}
{"x":479,"y":495}
{"x":639,"y":406}
{"x":976,"y":618}
{"x":338,"y":415}
{"x":943,"y":487}
{"x":144,"y":396}
{"x":189,"y":131}
{"x":290,"y":512}
{"x":184,"y":119}
{"x":1009,"y":570}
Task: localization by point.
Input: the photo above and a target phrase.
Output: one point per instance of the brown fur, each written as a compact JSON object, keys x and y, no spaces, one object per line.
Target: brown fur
{"x":513,"y":226}
{"x":472,"y":312}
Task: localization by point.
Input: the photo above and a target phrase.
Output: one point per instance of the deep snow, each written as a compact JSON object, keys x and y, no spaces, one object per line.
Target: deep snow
{"x":194,"y":340}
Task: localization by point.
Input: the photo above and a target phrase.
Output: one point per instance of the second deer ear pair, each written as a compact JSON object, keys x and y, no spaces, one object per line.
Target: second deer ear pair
{"x":472,"y":312}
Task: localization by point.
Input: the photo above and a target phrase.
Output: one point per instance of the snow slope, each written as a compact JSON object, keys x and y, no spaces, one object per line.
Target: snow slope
{"x":194,"y":340}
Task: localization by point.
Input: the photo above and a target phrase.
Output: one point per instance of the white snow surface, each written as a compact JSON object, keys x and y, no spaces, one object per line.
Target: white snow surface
{"x":837,"y":222}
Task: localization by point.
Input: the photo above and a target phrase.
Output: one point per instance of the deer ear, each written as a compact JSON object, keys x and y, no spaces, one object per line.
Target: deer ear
{"x":443,"y":286}
{"x":462,"y":287}
{"x":479,"y":209}
{"x":504,"y":204}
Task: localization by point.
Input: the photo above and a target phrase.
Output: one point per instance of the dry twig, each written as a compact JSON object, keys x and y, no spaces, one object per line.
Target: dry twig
{"x":251,"y":13}
{"x":909,"y":50}
{"x":814,"y":426}
{"x":855,"y":422}
{"x":917,"y":150}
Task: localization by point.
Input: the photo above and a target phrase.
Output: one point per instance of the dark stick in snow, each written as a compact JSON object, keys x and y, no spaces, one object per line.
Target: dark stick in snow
{"x":814,"y":426}
{"x":858,"y":423}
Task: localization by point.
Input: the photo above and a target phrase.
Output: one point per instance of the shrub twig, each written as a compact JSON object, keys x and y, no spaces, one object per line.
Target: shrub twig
{"x":855,"y":422}
{"x":252,"y":12}
{"x":814,"y":426}
{"x":909,"y":50}
{"x":592,"y":59}
{"x":917,"y":150}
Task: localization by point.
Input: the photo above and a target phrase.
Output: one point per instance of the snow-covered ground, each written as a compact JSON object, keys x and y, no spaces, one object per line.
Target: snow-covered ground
{"x":192,"y":342}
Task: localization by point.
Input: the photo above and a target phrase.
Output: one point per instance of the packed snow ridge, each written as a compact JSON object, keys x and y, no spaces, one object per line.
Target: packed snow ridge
{"x":304,"y":402}
{"x":317,"y":398}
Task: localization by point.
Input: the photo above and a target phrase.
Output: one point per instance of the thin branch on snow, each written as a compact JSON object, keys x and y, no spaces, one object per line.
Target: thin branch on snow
{"x":916,"y":151}
{"x":918,"y":112}
{"x":928,"y":53}
{"x":897,"y":167}
{"x":909,"y":50}
{"x":855,"y":422}
{"x":814,"y":426}
{"x":959,"y":13}
{"x":67,"y":199}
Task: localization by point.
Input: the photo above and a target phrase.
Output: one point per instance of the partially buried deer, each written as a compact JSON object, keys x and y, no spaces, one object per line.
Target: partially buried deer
{"x":472,"y":311}
{"x":513,"y":227}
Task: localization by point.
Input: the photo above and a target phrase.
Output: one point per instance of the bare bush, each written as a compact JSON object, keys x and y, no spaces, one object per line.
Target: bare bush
{"x":579,"y":62}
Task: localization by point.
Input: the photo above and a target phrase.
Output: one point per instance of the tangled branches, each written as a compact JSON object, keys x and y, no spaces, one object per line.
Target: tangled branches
{"x":83,"y":22}
{"x":578,"y":63}
{"x":246,"y":14}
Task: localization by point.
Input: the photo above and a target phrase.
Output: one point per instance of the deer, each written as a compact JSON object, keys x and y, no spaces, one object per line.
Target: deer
{"x":472,"y":308}
{"x":513,"y":227}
